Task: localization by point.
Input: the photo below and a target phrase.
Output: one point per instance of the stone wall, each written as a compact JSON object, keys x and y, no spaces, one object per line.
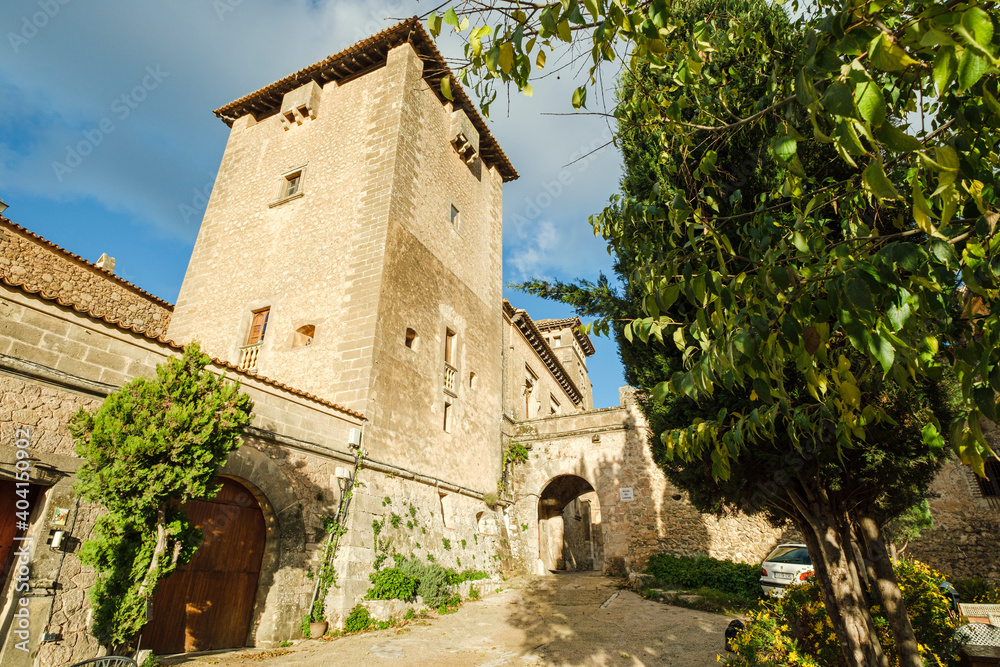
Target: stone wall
{"x":965,"y":538}
{"x":28,"y":261}
{"x":608,"y":449}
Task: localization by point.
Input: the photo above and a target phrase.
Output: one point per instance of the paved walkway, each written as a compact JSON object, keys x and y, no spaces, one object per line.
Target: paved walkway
{"x":565,"y":619}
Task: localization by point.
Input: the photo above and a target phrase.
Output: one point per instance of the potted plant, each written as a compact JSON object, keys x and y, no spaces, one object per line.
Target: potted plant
{"x":317,"y":620}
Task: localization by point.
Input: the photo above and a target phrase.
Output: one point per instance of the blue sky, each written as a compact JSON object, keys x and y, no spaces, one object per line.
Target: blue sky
{"x":108,"y":142}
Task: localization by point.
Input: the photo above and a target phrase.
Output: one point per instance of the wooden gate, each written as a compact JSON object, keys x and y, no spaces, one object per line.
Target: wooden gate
{"x":208,"y":604}
{"x":10,"y":516}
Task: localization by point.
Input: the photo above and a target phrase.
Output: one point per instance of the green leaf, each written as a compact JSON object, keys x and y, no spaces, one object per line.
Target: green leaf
{"x":548,"y":22}
{"x":591,"y":6}
{"x":762,"y":390}
{"x":837,"y":99}
{"x":446,"y":88}
{"x":860,"y":295}
{"x":850,"y":394}
{"x":977,"y":30}
{"x":527,"y":90}
{"x":506,"y":61}
{"x":970,"y":70}
{"x":564,"y":32}
{"x":434,"y":24}
{"x":877,"y":183}
{"x":888,"y":56}
{"x":871,"y":103}
{"x":784,"y":147}
{"x":779,"y":275}
{"x":580,"y":97}
{"x":450,"y":17}
{"x":895,"y":139}
{"x":945,"y":68}
{"x":882,"y":350}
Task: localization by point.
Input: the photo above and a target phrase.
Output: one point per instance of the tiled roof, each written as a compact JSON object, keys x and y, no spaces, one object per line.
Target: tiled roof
{"x":523,"y":321}
{"x":76,"y":258}
{"x":83,"y":310}
{"x":575,"y":323}
{"x":367,"y":55}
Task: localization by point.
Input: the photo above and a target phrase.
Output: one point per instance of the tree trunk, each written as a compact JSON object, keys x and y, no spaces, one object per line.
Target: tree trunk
{"x":823,"y":525}
{"x":907,"y":648}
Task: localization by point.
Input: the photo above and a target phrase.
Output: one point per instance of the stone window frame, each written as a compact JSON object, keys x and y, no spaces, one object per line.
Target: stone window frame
{"x":455,"y":217}
{"x":976,"y":492}
{"x":283,"y":181}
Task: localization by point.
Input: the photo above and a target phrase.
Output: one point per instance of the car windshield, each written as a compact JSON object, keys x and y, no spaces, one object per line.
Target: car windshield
{"x":790,"y":555}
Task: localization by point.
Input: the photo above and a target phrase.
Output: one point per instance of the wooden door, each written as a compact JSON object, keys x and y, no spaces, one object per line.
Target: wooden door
{"x":10,"y":517}
{"x":208,"y":604}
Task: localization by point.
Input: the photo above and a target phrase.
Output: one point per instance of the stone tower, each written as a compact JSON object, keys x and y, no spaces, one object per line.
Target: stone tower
{"x":351,"y":248}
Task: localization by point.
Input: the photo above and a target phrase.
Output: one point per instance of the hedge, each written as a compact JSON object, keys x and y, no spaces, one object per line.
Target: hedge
{"x":741,"y":579}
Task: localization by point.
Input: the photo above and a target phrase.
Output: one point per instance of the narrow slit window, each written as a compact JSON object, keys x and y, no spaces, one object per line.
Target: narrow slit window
{"x":258,"y":326}
{"x":472,"y":380}
{"x":410,"y":340}
{"x":454,"y":216}
{"x":447,"y":416}
{"x":449,"y":346}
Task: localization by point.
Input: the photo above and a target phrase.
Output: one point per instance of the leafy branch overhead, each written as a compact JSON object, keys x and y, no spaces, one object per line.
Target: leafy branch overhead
{"x":873,"y":256}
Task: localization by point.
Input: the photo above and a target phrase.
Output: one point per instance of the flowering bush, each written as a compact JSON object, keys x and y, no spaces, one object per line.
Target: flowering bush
{"x":796,"y":630}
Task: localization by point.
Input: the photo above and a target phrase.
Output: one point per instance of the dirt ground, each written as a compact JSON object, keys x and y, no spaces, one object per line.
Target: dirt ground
{"x":564,"y":619}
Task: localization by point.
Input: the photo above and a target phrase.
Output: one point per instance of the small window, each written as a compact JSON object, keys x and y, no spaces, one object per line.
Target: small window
{"x":447,"y":510}
{"x":990,"y":486}
{"x":447,"y":417}
{"x":554,"y":408}
{"x":454,"y":217}
{"x":304,"y":335}
{"x":258,"y":326}
{"x":411,"y":339}
{"x":556,"y":341}
{"x":449,"y":346}
{"x":529,"y":388}
{"x":473,"y":380}
{"x":293,"y":183}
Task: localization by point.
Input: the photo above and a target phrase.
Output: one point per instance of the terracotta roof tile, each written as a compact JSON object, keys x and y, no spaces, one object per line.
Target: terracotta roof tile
{"x":366,"y":55}
{"x":523,"y":321}
{"x":179,"y":348}
{"x":108,"y":274}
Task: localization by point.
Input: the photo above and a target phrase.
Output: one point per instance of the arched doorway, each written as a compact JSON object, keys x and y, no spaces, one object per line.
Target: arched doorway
{"x":208,"y":603}
{"x":569,"y":525}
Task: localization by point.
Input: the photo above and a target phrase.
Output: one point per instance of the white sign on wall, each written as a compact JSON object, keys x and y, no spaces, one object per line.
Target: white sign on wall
{"x":626,"y":494}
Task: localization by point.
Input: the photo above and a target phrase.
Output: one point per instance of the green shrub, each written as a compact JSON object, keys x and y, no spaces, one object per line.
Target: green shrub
{"x":473,"y":593}
{"x":410,"y":614}
{"x":431,"y":578}
{"x":455,"y":578}
{"x":391,"y":584}
{"x":446,"y":543}
{"x":740,"y":579}
{"x":977,"y":590}
{"x":358,"y":620}
{"x":395,"y":520}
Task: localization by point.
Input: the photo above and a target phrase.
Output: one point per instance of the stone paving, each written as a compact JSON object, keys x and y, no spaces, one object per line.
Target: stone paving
{"x":564,"y":619}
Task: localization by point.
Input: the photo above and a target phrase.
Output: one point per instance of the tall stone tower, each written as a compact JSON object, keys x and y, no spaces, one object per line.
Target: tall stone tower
{"x":351,"y":248}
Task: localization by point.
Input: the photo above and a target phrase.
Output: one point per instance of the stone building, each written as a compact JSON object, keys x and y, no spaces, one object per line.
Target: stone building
{"x":348,"y":274}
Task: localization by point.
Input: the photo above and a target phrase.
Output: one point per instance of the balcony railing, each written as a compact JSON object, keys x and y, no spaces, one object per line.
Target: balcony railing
{"x":248,"y":357}
{"x":450,"y":373}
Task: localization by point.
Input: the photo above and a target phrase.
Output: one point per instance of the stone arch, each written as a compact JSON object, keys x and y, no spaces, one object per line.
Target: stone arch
{"x":285,"y":534}
{"x":570,"y":534}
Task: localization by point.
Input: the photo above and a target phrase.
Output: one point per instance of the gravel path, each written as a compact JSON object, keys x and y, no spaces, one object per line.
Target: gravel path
{"x":564,"y":619}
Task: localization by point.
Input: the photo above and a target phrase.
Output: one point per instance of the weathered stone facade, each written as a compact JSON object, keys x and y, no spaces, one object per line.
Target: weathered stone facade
{"x":35,"y":265}
{"x":363,"y":212}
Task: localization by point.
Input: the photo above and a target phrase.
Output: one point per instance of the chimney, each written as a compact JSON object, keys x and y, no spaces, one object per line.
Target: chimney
{"x":106,"y":263}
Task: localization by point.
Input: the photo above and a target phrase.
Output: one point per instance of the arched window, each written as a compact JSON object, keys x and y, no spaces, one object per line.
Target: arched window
{"x":304,"y":335}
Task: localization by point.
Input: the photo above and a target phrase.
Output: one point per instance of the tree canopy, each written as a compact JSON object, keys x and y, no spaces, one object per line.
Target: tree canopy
{"x":806,"y":234}
{"x":151,"y":446}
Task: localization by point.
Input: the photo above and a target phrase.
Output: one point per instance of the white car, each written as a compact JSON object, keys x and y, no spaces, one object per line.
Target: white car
{"x":788,"y":564}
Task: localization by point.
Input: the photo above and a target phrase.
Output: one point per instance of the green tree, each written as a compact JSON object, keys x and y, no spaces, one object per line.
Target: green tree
{"x":843,"y":274}
{"x":150,"y":446}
